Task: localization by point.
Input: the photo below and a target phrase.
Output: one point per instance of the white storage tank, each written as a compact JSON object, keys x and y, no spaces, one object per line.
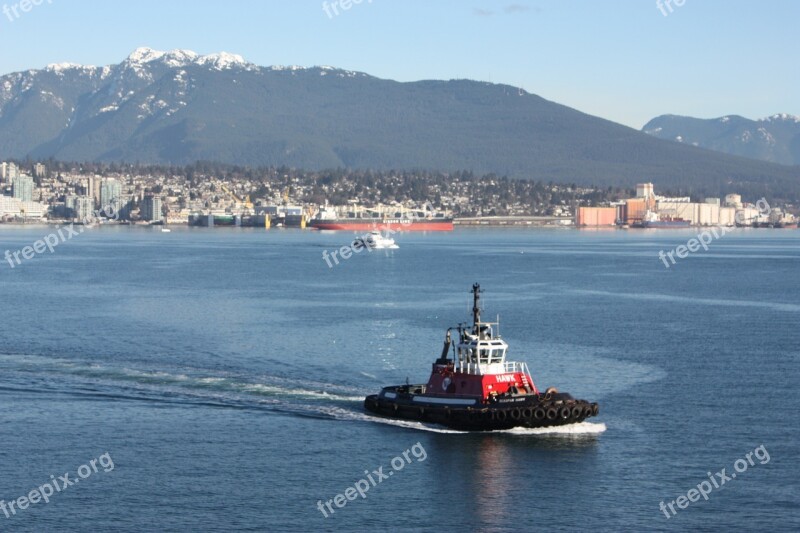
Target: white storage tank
{"x":708,"y":214}
{"x":733,"y":200}
{"x":746,"y":216}
{"x":727,"y":216}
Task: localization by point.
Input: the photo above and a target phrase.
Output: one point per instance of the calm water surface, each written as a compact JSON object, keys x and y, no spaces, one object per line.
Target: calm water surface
{"x":222,"y":372}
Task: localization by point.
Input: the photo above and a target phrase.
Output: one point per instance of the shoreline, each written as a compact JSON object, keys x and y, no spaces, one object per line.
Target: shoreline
{"x":521,"y":222}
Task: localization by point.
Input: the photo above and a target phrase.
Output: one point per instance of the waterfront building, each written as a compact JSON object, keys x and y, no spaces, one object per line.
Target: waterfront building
{"x":151,"y":208}
{"x":79,"y":207}
{"x":16,"y":209}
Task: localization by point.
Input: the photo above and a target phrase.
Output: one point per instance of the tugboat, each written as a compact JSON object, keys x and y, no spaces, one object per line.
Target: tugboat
{"x":478,"y":390}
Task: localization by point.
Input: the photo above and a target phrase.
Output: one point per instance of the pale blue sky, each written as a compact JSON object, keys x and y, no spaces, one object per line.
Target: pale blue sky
{"x":618,"y":59}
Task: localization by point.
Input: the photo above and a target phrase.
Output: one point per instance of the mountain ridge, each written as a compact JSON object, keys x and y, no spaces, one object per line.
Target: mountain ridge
{"x":775,"y":139}
{"x":178,"y":107}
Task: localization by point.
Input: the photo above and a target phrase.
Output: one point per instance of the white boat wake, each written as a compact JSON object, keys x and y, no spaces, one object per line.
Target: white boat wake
{"x":580,"y":429}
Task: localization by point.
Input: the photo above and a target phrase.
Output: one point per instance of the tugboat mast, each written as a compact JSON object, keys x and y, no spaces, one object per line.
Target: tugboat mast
{"x":476,"y":308}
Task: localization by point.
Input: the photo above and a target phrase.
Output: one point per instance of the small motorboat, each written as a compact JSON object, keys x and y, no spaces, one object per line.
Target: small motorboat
{"x":374,"y":240}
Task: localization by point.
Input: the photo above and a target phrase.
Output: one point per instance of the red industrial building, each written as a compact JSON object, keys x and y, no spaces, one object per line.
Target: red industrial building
{"x":596,"y":216}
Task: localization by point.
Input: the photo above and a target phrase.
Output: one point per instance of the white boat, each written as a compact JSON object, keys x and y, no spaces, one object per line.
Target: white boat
{"x":165,"y":230}
{"x":375,"y":240}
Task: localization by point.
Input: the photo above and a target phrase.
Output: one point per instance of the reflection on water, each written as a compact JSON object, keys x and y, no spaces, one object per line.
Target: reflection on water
{"x":486,"y":472}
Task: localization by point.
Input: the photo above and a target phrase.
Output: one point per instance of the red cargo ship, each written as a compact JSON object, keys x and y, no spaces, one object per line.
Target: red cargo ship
{"x":367,"y":220}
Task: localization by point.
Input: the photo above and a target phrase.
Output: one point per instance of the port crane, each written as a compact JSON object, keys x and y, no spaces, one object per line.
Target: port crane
{"x":246,"y":203}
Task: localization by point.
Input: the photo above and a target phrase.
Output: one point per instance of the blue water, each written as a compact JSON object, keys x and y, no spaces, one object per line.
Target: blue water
{"x":223,"y":370}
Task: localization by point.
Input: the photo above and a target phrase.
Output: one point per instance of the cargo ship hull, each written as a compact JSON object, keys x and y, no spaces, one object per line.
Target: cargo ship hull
{"x":445,"y":224}
{"x":663,"y":224}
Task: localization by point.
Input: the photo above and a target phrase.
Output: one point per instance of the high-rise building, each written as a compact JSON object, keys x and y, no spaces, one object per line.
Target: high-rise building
{"x":9,"y":171}
{"x":69,"y":205}
{"x":151,"y":208}
{"x":79,"y":207}
{"x":83,"y":208}
{"x":110,"y":195}
{"x":89,"y":187}
{"x":95,"y":186}
{"x":39,"y":170}
{"x":22,"y":188}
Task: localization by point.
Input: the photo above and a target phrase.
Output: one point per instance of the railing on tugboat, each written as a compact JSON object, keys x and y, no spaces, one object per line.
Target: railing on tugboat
{"x":506,"y":367}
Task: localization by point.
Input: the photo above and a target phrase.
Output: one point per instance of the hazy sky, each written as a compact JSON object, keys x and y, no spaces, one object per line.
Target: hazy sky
{"x":618,"y":59}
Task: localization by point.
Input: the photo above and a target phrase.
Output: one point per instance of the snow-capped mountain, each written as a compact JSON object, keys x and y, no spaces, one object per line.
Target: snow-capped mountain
{"x":134,"y":109}
{"x":179,"y":107}
{"x":775,"y":138}
{"x":183,"y":58}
